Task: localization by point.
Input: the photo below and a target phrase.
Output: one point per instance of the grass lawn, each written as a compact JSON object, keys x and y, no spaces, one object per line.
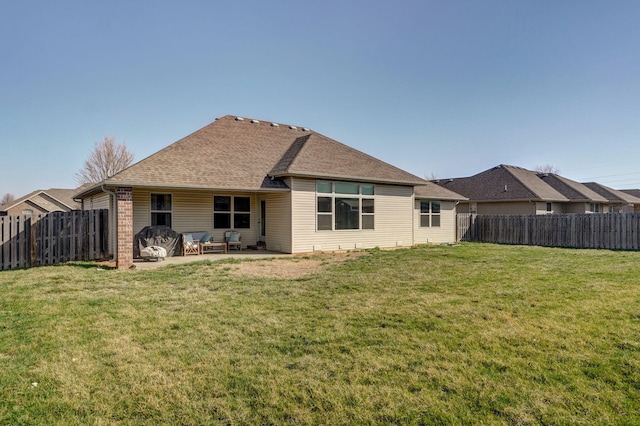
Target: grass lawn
{"x":470,"y":334}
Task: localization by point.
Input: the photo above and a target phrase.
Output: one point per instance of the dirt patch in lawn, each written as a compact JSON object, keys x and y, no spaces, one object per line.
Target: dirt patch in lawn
{"x":292,"y":267}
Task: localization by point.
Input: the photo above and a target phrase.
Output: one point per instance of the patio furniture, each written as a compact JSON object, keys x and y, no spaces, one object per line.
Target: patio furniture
{"x":233,"y":239}
{"x":190,"y":245}
{"x":212,"y":247}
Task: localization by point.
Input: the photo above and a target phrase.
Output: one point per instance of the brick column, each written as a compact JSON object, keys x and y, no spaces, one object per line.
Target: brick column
{"x":124,"y":198}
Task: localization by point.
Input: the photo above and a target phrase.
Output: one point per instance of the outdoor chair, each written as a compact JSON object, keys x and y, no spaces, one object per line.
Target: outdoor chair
{"x":190,"y":245}
{"x":233,"y":240}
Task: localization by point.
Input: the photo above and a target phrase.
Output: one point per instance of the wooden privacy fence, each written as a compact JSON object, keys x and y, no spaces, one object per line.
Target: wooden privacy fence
{"x":27,"y":241}
{"x":605,"y":230}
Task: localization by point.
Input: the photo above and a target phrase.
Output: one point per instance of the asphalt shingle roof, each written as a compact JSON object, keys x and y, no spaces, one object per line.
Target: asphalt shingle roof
{"x":52,"y":199}
{"x":574,"y":191}
{"x":503,"y":183}
{"x":613,"y":195}
{"x":245,"y":154}
{"x":436,"y":192}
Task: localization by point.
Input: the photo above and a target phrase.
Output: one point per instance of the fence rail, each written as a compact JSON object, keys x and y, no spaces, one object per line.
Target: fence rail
{"x":27,"y":241}
{"x":605,"y":230}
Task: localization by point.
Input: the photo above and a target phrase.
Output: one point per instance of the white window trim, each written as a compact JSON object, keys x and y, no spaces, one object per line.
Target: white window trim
{"x":151,"y":211}
{"x":333,"y":195}
{"x":232,"y":210}
{"x":430,"y":214}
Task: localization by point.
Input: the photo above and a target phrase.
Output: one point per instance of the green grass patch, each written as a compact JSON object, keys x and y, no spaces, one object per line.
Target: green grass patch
{"x":469,"y":334}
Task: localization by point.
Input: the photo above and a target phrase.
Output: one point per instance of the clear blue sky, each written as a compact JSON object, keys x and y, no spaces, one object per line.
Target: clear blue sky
{"x":449,"y":88}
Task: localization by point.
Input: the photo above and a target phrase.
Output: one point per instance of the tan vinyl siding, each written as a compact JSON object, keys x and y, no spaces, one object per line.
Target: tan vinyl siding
{"x":577,"y":208}
{"x":97,"y":202}
{"x":393,"y":220}
{"x":192,"y":211}
{"x":445,"y":233}
{"x":523,"y":207}
{"x":278,"y":224}
{"x":141,"y":209}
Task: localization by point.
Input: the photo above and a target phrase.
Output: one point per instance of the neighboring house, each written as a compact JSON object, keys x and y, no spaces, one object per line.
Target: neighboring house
{"x":41,"y":202}
{"x":582,"y":199}
{"x":618,"y":201}
{"x":634,"y":193}
{"x":290,"y":187}
{"x":508,"y":189}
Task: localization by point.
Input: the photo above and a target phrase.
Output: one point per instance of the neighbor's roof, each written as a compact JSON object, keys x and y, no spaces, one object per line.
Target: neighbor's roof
{"x":574,"y":191}
{"x":244,"y":154}
{"x":633,"y":192}
{"x":613,"y":195}
{"x":503,"y":183}
{"x":53,"y":199}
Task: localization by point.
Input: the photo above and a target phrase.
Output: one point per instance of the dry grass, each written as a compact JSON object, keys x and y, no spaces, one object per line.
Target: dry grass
{"x":291,"y":267}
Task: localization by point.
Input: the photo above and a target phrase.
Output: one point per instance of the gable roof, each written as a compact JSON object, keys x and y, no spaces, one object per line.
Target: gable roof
{"x":632,"y":192}
{"x":574,"y":191}
{"x":53,"y":199}
{"x":613,"y":195}
{"x":503,"y":183}
{"x":436,"y":192}
{"x":243,"y":154}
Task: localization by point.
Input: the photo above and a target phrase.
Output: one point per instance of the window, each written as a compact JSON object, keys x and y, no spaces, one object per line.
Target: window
{"x":344,"y":206}
{"x":228,"y":210}
{"x":549,"y":208}
{"x":594,"y":208}
{"x":429,"y":214}
{"x":161,"y":209}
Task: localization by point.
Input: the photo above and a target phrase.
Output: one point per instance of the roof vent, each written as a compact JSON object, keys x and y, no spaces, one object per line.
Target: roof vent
{"x":274,"y":124}
{"x":255,"y":121}
{"x":293,"y":127}
{"x":239,"y":119}
{"x":305,"y":129}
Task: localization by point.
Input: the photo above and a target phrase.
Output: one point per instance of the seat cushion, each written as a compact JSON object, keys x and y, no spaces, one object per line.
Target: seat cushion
{"x":206,"y":238}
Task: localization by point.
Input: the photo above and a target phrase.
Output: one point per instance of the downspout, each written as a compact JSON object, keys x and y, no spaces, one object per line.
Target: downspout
{"x":114,"y":224}
{"x":413,"y":217}
{"x":455,"y":221}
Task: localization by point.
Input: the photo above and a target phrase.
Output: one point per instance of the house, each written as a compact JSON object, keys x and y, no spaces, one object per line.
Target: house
{"x":506,"y":189}
{"x":287,"y":186}
{"x":41,"y":202}
{"x":635,"y":193}
{"x":617,"y":201}
{"x":581,"y":199}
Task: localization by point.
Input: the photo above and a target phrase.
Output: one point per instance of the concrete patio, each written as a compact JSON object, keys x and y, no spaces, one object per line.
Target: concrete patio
{"x":142,"y":264}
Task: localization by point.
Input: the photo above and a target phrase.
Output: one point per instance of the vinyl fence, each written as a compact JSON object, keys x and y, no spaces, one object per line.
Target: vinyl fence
{"x":27,"y":241}
{"x":604,"y":231}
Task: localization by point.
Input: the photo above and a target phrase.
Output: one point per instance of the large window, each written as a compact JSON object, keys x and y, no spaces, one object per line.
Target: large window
{"x":429,"y":214}
{"x":161,"y":209}
{"x":231,"y":210}
{"x":344,"y":205}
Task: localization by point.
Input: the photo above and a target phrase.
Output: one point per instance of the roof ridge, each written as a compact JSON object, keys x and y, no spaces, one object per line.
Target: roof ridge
{"x":524,"y":184}
{"x":290,"y":155}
